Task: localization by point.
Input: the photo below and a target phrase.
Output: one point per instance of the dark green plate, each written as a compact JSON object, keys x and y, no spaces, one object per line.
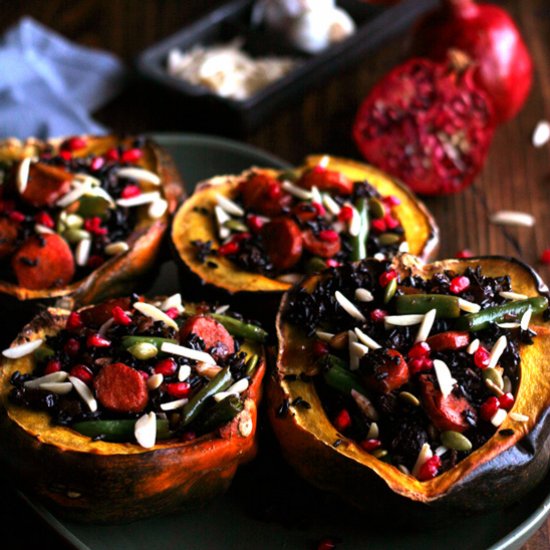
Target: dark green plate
{"x":268,"y":507}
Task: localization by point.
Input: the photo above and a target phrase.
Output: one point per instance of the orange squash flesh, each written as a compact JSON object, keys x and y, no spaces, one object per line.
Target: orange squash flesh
{"x":498,"y":473}
{"x":120,"y":272}
{"x":101,"y":482}
{"x":190,"y":224}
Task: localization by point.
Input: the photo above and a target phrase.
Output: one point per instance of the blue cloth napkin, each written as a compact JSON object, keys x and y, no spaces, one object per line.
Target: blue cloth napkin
{"x":49,"y":86}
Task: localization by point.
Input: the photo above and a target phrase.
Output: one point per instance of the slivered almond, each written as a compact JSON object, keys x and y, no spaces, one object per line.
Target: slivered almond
{"x":473,"y":346}
{"x":16,"y":352}
{"x":139,"y":200}
{"x":82,"y":252}
{"x":499,"y":417}
{"x":403,"y":320}
{"x":155,"y":313}
{"x":526,"y":319}
{"x":426,"y":326}
{"x":139,"y":174}
{"x":52,"y":378}
{"x":85,"y":393}
{"x":59,"y":388}
{"x":363,"y":295}
{"x":229,"y":206}
{"x":325,"y":336}
{"x":467,"y":306}
{"x":207,"y":370}
{"x":509,"y":295}
{"x":157,"y":209}
{"x":221,"y":217}
{"x":496,"y":351}
{"x":518,"y":417}
{"x":298,"y":192}
{"x":23,"y":174}
{"x":145,"y":430}
{"x":155,"y":381}
{"x":118,"y":247}
{"x":349,"y":307}
{"x":511,"y":217}
{"x":175,"y":349}
{"x":331,"y":205}
{"x":424,"y":455}
{"x":366,"y":339}
{"x":444,"y":377}
{"x":184,"y":373}
{"x":173,"y":405}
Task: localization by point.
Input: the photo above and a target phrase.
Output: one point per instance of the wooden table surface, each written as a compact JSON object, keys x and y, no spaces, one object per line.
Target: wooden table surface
{"x":516,"y":175}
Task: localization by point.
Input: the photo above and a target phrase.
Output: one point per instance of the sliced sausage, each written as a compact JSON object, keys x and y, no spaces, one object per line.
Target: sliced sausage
{"x":8,"y":237}
{"x":263,"y":194}
{"x":44,"y":261}
{"x":121,"y":389}
{"x":452,"y":339}
{"x":282,"y":240}
{"x":215,"y":336}
{"x":305,"y":211}
{"x":384,"y":370}
{"x":326,"y":180}
{"x":95,"y":316}
{"x":446,"y":413}
{"x":318,"y":246}
{"x":46,"y":184}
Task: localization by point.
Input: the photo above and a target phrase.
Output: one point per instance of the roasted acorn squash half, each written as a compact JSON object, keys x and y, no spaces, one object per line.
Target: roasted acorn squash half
{"x":503,"y":469}
{"x":88,"y":479}
{"x":120,"y":271}
{"x":194,"y":223}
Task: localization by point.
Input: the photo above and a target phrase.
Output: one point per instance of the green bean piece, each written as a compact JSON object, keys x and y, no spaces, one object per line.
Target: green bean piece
{"x":481,"y":320}
{"x":445,"y":306}
{"x":251,"y":364}
{"x":342,"y":380}
{"x":129,"y":341}
{"x":195,"y":405}
{"x":239,"y":328}
{"x":118,"y":430}
{"x":236,"y":225}
{"x":43,"y":352}
{"x":359,"y":242}
{"x":218,"y":415}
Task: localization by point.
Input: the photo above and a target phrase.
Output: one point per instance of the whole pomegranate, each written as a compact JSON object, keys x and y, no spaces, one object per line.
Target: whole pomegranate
{"x":487,"y":34}
{"x":427,"y":123}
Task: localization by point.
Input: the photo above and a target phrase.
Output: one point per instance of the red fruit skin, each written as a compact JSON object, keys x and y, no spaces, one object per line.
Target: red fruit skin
{"x":488,"y":34}
{"x":427,"y":124}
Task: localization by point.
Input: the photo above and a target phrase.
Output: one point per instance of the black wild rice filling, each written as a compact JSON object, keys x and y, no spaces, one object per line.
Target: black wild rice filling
{"x":403,"y":426}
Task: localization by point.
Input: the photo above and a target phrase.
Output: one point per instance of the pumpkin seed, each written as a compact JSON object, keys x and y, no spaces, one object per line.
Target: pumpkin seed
{"x":235,"y":225}
{"x":76,"y":235}
{"x":315,"y":265}
{"x":374,"y":431}
{"x":289,"y":175}
{"x":390,"y":290}
{"x":507,"y":387}
{"x":387,"y":239}
{"x":379,"y":453}
{"x":409,"y":398}
{"x":494,"y":376}
{"x":143,"y":350}
{"x":455,"y":440}
{"x":377,"y":208}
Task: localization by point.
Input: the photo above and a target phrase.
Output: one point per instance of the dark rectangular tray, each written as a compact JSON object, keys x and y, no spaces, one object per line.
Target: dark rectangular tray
{"x":375,"y":24}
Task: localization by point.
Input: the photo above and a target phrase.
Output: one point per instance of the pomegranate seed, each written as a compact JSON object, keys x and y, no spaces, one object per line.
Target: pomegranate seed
{"x":370,"y":444}
{"x":390,"y":221}
{"x":378,"y":315}
{"x":379,"y":225}
{"x":274,"y":191}
{"x":429,"y":469}
{"x":178,"y":389}
{"x":97,"y":163}
{"x":130,"y":191}
{"x":143,"y":374}
{"x":318,"y":169}
{"x":238,"y":237}
{"x":188,"y":436}
{"x":93,"y":225}
{"x":386,"y":277}
{"x":506,"y":401}
{"x":97,"y":341}
{"x":346,"y":213}
{"x":74,"y":144}
{"x":320,"y":348}
{"x":420,"y":364}
{"x":391,"y":200}
{"x":342,"y":420}
{"x":482,"y":358}
{"x":74,"y":321}
{"x":53,"y":365}
{"x":464,"y":253}
{"x":326,"y":544}
{"x":66,"y":155}
{"x":131,"y":155}
{"x":328,"y":235}
{"x":489,"y":408}
{"x":459,"y":284}
{"x":331,"y":262}
{"x":172,"y":312}
{"x":16,"y":216}
{"x":43,"y":218}
{"x":545,"y":256}
{"x":95,"y":261}
{"x":112,"y":154}
{"x":71,"y":347}
{"x":166,"y":367}
{"x":255,"y":222}
{"x":422,"y":349}
{"x":319,"y":208}
{"x":82,"y":372}
{"x":228,"y":248}
{"x":120,"y":316}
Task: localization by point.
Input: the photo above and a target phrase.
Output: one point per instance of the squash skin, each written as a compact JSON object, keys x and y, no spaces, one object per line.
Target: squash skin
{"x":117,"y":274}
{"x":100,"y":482}
{"x":497,"y":474}
{"x":421,"y":230}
